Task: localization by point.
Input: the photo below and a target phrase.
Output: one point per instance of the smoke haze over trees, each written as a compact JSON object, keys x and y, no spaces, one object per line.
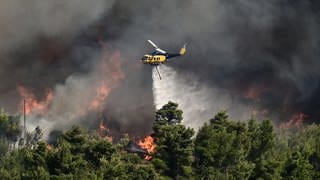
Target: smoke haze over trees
{"x":221,"y":149}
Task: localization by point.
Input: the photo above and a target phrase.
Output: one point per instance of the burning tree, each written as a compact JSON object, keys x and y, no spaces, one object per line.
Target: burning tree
{"x":149,"y":145}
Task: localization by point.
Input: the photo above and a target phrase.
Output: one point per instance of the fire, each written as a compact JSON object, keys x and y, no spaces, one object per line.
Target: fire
{"x":103,"y":131}
{"x":110,"y":68}
{"x":254,"y":92}
{"x":49,"y":147}
{"x":149,"y":145}
{"x":102,"y":93}
{"x":296,"y":120}
{"x":109,"y":138}
{"x":103,"y":127}
{"x":33,"y":105}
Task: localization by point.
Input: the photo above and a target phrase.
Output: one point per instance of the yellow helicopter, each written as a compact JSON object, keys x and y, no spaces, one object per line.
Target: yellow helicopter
{"x":160,"y":56}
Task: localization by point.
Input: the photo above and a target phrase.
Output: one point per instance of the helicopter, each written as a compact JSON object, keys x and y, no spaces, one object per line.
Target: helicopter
{"x":160,"y":56}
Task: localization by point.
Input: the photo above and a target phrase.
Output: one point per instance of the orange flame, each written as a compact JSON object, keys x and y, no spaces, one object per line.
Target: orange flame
{"x":103,"y":127}
{"x":111,"y":70}
{"x":102,"y":93}
{"x":103,"y":130}
{"x":296,"y":120}
{"x":109,"y":138}
{"x":32,"y":104}
{"x":254,"y":92}
{"x":49,"y":147}
{"x":149,"y":145}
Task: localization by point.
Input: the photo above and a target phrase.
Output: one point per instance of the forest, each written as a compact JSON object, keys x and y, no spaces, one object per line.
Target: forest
{"x":221,"y":149}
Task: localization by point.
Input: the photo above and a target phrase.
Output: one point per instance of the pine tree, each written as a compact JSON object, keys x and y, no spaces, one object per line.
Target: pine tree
{"x":174,"y":142}
{"x":221,"y":148}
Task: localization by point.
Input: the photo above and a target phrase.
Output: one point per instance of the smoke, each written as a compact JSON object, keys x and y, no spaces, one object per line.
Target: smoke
{"x":38,"y":47}
{"x":242,"y":56}
{"x":22,"y":22}
{"x":81,"y":98}
{"x":269,"y":49}
{"x":198,"y":101}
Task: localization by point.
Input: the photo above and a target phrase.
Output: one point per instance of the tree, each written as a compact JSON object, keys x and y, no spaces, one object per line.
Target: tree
{"x":69,"y":154}
{"x":98,"y":150}
{"x":174,"y":142}
{"x":77,"y":138}
{"x":168,"y":114}
{"x":221,"y":148}
{"x":35,"y":162}
{"x":10,"y":130}
{"x":262,"y":150}
{"x":37,"y":135}
{"x":128,"y":166}
{"x":297,"y":167}
{"x":262,"y":138}
{"x":304,"y":157}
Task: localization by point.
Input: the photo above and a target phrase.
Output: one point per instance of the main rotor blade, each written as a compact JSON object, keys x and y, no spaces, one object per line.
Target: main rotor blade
{"x":153,"y":44}
{"x":157,"y":48}
{"x":160,"y":50}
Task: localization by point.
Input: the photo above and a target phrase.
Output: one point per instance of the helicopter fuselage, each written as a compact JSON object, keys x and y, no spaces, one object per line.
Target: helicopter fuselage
{"x":153,"y":59}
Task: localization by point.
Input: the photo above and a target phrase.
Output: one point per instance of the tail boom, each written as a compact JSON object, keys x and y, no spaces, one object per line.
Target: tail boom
{"x":181,"y":52}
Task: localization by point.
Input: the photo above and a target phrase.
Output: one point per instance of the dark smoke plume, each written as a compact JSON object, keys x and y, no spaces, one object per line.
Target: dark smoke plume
{"x":261,"y":54}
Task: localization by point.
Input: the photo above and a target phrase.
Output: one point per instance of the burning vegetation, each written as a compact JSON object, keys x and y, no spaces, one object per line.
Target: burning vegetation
{"x":111,"y":69}
{"x":149,"y":145}
{"x":254,"y":93}
{"x":74,"y":61}
{"x":180,"y":152}
{"x":144,"y":147}
{"x":85,"y":70}
{"x":104,"y":131}
{"x":31,"y":104}
{"x":295,"y":121}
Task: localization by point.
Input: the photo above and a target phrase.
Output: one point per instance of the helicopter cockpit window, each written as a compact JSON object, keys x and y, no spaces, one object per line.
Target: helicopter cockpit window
{"x":144,"y":57}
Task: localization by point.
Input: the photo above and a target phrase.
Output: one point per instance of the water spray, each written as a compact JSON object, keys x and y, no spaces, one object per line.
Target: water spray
{"x":180,"y":89}
{"x":198,"y":101}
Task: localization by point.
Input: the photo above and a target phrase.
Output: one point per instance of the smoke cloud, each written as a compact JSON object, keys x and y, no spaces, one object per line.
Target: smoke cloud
{"x":22,"y":22}
{"x":198,"y":101}
{"x":242,"y":55}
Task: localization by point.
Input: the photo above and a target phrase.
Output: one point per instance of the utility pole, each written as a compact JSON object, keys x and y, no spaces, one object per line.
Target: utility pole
{"x":24,"y":119}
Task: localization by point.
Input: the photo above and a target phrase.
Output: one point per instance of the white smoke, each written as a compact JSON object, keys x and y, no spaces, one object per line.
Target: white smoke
{"x":72,"y":100}
{"x":198,"y":101}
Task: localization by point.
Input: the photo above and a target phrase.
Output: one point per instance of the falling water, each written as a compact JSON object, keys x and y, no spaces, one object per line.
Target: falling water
{"x":164,"y":90}
{"x":198,"y":101}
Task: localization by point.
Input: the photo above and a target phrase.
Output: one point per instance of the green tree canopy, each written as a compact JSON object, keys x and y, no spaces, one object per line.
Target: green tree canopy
{"x":174,"y":142}
{"x":221,"y":148}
